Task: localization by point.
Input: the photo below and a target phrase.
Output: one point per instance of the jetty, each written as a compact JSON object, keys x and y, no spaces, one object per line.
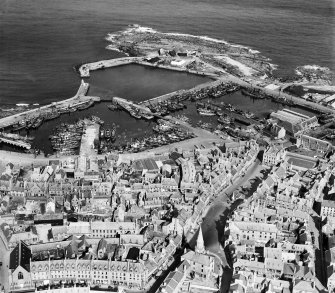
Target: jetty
{"x":84,"y":70}
{"x":219,"y":76}
{"x":89,"y":137}
{"x":18,"y":143}
{"x":53,"y":109}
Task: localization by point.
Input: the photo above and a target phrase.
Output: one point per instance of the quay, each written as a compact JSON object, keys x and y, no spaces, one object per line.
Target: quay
{"x":18,"y":143}
{"x":125,"y":104}
{"x":89,"y":137}
{"x":78,"y":100}
{"x":278,"y":94}
{"x":84,"y":70}
{"x":199,"y":132}
{"x":220,"y":76}
{"x":167,"y":97}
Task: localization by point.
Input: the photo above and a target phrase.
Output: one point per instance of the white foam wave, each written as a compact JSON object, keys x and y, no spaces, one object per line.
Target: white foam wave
{"x":22,"y":105}
{"x":314,"y":67}
{"x":113,"y":48}
{"x":299,"y":70}
{"x":251,"y":51}
{"x":144,"y":29}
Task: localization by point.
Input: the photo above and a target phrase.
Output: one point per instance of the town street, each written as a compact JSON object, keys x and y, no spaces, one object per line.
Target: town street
{"x":214,"y":222}
{"x":4,"y":259}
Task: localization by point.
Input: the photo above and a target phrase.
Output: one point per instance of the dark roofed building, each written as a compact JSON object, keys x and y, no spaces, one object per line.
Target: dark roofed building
{"x":145,"y":164}
{"x":301,"y":163}
{"x":20,"y":256}
{"x":133,"y":253}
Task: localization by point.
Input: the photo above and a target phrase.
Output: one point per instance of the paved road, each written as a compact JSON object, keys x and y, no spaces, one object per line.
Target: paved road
{"x":278,"y":94}
{"x":215,"y":219}
{"x":213,"y":225}
{"x":4,"y":258}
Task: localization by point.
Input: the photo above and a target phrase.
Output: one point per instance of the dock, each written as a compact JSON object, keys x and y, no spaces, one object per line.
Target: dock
{"x":18,"y":143}
{"x":169,"y":96}
{"x":126,"y":104}
{"x":199,"y":132}
{"x":84,"y":70}
{"x":91,"y":134}
{"x":78,"y":100}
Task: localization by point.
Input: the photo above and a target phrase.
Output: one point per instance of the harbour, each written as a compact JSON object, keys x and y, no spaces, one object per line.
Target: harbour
{"x":202,"y":61}
{"x":128,"y":129}
{"x":135,"y":183}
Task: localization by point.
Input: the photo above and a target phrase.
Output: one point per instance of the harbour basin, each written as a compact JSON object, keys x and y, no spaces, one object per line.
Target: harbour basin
{"x":139,"y":83}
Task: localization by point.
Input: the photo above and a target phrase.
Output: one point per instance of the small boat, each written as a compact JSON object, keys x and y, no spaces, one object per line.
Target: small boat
{"x":51,"y":115}
{"x":37,"y":123}
{"x":112,"y":107}
{"x":85,"y":105}
{"x":206,"y":112}
{"x":72,"y":109}
{"x":107,"y":133}
{"x":252,"y":94}
{"x":249,"y":115}
{"x":226,"y":119}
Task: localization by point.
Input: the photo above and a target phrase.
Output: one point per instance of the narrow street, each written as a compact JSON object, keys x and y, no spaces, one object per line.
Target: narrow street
{"x":213,"y":225}
{"x":4,"y":259}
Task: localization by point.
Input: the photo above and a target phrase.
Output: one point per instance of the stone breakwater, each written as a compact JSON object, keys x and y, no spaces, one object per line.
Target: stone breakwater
{"x":77,"y":100}
{"x":84,"y":70}
{"x":251,"y":83}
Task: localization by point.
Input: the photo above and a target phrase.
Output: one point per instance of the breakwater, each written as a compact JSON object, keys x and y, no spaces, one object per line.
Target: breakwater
{"x":169,"y":96}
{"x":51,"y":110}
{"x":84,"y":70}
{"x":251,"y":84}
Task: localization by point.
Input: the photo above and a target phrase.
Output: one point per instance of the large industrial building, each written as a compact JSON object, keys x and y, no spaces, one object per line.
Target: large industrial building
{"x":293,"y":121}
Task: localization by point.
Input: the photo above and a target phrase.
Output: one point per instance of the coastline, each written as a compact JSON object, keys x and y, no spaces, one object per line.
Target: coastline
{"x":85,"y":69}
{"x":203,"y":63}
{"x":78,"y":99}
{"x":251,"y":83}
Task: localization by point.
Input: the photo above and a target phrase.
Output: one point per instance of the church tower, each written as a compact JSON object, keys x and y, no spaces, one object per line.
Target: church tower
{"x":200,"y":246}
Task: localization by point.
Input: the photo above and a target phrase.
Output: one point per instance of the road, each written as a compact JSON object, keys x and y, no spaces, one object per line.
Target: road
{"x":4,"y":258}
{"x":252,"y":84}
{"x":214,"y":222}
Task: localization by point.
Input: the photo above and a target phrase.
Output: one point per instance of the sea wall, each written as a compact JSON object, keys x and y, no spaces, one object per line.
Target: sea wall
{"x":168,"y":96}
{"x":79,"y":98}
{"x":84,"y":70}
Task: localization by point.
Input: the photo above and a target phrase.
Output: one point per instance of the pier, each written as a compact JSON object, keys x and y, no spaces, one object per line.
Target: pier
{"x":220,"y":77}
{"x":18,"y":143}
{"x":199,"y":132}
{"x":90,"y":136}
{"x":169,"y":96}
{"x":124,"y":103}
{"x":78,"y":100}
{"x":252,"y":84}
{"x":84,"y":70}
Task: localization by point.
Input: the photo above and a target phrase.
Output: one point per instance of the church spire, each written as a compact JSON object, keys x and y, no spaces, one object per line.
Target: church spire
{"x":200,"y":246}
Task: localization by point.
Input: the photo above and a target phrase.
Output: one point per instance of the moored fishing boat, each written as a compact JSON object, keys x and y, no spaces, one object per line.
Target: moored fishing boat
{"x":37,"y":123}
{"x":85,"y":106}
{"x":206,"y":112}
{"x":112,"y":107}
{"x":226,"y":119}
{"x":254,"y":95}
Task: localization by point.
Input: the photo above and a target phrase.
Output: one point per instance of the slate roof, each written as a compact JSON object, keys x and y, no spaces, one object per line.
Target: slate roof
{"x":175,"y":278}
{"x":20,"y":256}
